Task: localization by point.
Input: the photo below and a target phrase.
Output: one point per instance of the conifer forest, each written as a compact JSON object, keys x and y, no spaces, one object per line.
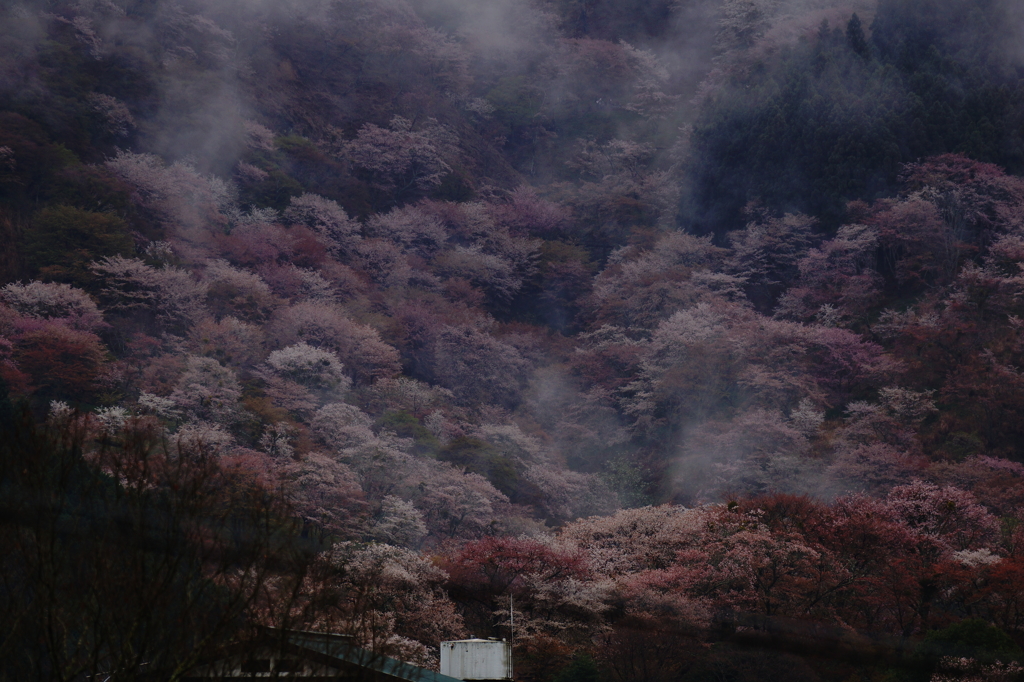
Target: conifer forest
{"x":689,"y":334}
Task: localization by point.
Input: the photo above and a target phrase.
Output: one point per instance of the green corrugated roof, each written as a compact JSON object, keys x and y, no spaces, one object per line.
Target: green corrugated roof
{"x":336,"y":648}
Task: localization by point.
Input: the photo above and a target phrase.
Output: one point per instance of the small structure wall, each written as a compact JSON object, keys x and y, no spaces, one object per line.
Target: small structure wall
{"x":477,"y":659}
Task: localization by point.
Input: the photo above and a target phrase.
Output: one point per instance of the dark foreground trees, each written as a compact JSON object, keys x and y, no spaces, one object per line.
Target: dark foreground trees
{"x":122,"y":554}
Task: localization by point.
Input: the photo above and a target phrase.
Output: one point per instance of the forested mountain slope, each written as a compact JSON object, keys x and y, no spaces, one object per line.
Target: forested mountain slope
{"x":476,"y":286}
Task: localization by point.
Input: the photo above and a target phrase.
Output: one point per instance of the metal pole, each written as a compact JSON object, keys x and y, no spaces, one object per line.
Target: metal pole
{"x":511,"y":632}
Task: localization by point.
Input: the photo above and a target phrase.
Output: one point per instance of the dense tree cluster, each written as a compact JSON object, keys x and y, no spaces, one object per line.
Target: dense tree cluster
{"x":703,"y":367}
{"x":810,"y":125}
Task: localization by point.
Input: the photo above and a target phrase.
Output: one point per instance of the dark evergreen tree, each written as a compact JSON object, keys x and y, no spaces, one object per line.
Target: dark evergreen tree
{"x":855,"y":36}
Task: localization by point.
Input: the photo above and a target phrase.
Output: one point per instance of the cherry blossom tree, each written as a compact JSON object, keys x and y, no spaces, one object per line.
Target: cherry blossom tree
{"x":609,"y":207}
{"x":180,"y":197}
{"x":207,"y":390}
{"x":400,"y":160}
{"x":541,"y":577}
{"x":326,"y":494}
{"x":60,"y":362}
{"x":490,"y":273}
{"x":567,"y":494}
{"x":951,"y":518}
{"x":757,"y":451}
{"x":845,"y":364}
{"x":341,"y":426}
{"x":476,"y":367}
{"x":456,"y":504}
{"x":117,"y":117}
{"x":170,"y":295}
{"x":309,"y":366}
{"x":405,"y":49}
{"x":444,"y":58}
{"x":893,"y":588}
{"x":744,"y":22}
{"x":230,"y":341}
{"x":910,"y":231}
{"x":358,"y":346}
{"x":300,"y":378}
{"x":193,"y":35}
{"x":499,"y":565}
{"x":385,"y":263}
{"x":767,"y":573}
{"x":994,"y":481}
{"x":766,"y":253}
{"x":328,"y":221}
{"x":397,"y":523}
{"x":842,"y":272}
{"x":633,"y":540}
{"x":688,"y":371}
{"x":975,"y":198}
{"x":526,"y":212}
{"x":238,"y":293}
{"x":258,"y":136}
{"x":878,"y":445}
{"x":874,"y":468}
{"x":600,"y":73}
{"x":598,"y":161}
{"x":16,"y":381}
{"x":391,"y":599}
{"x":403,"y":393}
{"x":410,"y":228}
{"x":563,"y":494}
{"x":641,"y":289}
{"x":51,"y":301}
{"x":195,"y":438}
{"x":258,"y":240}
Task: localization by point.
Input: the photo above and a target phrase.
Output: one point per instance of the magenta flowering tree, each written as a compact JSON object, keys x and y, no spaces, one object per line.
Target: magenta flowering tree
{"x":402,"y":161}
{"x":53,"y":301}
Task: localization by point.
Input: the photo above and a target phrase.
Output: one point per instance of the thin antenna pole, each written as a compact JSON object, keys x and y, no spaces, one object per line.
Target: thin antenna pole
{"x":511,"y":632}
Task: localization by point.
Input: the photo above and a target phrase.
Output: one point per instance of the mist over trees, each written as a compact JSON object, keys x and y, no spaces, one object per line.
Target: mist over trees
{"x":693,"y":327}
